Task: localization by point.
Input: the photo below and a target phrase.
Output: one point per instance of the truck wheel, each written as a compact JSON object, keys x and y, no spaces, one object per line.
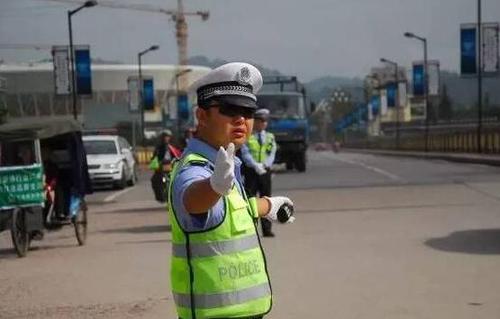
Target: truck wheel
{"x":300,"y":163}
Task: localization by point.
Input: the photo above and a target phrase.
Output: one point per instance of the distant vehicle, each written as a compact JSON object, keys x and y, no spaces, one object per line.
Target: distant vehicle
{"x":285,"y":98}
{"x":110,"y":160}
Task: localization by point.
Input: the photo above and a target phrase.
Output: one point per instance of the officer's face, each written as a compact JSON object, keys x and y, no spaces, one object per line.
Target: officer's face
{"x":219,"y":128}
{"x":260,"y":125}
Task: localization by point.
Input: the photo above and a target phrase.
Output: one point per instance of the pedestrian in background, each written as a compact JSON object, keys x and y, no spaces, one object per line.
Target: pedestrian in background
{"x":258,"y":154}
{"x":218,"y":269}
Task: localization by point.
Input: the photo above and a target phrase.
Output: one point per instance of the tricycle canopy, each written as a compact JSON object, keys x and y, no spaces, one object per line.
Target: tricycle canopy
{"x":37,"y":128}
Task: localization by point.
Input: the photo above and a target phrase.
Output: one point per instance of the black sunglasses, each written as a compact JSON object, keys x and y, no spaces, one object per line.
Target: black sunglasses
{"x":231,"y":110}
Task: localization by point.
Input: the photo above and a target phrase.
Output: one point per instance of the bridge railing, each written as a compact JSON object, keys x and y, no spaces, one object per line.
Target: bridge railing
{"x":461,"y":138}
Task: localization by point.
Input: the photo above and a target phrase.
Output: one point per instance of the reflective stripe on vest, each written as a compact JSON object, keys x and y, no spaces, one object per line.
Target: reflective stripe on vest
{"x":223,"y":299}
{"x":260,"y":152}
{"x":216,"y":248}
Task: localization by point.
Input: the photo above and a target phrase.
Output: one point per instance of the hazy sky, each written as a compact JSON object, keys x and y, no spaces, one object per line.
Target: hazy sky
{"x":310,"y":38}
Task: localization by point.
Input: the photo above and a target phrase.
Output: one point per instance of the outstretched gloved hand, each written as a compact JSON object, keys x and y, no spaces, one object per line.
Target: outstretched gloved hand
{"x":281,"y":209}
{"x":222,"y":179}
{"x":260,"y":169}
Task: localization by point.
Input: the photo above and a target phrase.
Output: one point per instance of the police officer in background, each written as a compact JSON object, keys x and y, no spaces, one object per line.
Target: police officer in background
{"x":258,"y":155}
{"x":218,"y":269}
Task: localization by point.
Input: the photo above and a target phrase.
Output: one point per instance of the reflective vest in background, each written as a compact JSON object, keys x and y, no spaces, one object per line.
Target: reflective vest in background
{"x":220,"y":272}
{"x":261,"y":152}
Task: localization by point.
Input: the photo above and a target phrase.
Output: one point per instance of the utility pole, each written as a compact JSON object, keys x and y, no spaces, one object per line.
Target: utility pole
{"x":479,"y":79}
{"x":87,"y":4}
{"x":426,"y":85}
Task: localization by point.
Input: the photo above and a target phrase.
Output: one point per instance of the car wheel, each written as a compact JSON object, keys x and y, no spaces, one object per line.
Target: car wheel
{"x":133,"y":177}
{"x":122,"y":183}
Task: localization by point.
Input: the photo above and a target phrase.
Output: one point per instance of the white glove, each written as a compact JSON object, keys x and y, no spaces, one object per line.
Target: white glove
{"x":222,"y":179}
{"x":276,"y":203}
{"x":260,"y":169}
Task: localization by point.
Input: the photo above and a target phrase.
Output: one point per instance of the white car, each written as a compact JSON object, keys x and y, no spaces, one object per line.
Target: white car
{"x":110,"y":160}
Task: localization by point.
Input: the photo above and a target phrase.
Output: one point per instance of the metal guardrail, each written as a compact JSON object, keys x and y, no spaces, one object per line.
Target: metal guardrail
{"x":456,"y":139}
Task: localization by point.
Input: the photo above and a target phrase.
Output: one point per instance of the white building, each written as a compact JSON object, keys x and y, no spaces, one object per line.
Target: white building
{"x":30,"y":92}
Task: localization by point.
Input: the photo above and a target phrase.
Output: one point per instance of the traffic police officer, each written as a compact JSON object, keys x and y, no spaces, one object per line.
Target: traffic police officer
{"x":258,"y":155}
{"x":218,"y":269}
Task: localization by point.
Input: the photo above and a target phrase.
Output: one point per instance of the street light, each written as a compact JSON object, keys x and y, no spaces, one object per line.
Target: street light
{"x":87,"y":4}
{"x":426,"y":86}
{"x":177,"y":76}
{"x":141,"y":86}
{"x":396,"y":77}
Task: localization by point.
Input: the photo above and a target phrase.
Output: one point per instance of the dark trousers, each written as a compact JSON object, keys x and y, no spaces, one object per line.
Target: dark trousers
{"x":261,"y":185}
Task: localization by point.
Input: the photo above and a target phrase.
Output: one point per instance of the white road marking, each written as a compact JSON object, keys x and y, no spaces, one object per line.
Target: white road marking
{"x":370,"y":168}
{"x":113,"y":196}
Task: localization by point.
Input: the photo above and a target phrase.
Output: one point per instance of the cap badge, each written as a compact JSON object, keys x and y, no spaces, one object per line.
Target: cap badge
{"x":243,"y":76}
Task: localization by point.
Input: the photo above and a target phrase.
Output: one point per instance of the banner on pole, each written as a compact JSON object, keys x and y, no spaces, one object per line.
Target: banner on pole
{"x":403,"y":96}
{"x":434,"y":77}
{"x":62,"y":82}
{"x":383,"y":102}
{"x":375,"y":105}
{"x":83,"y":70}
{"x":391,"y":94}
{"x":133,"y":93}
{"x":490,"y":48}
{"x":148,"y":94}
{"x":418,"y":79}
{"x":183,"y":107}
{"x":468,"y":49}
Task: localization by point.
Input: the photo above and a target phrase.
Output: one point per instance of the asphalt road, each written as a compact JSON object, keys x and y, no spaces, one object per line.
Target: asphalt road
{"x":375,"y":237}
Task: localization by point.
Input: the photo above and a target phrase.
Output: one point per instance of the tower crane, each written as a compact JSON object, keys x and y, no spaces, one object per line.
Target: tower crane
{"x":178,"y":16}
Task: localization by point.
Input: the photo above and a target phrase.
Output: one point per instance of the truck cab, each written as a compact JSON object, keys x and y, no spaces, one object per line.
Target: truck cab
{"x":288,"y":122}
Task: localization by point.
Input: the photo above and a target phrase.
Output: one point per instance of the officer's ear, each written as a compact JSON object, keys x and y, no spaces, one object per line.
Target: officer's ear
{"x":201,"y":116}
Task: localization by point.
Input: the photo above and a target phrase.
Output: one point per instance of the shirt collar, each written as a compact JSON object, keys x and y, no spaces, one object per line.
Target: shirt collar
{"x":200,"y":147}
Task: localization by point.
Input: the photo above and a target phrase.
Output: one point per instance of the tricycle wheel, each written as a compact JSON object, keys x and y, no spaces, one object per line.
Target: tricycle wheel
{"x":80,"y":223}
{"x":20,"y":236}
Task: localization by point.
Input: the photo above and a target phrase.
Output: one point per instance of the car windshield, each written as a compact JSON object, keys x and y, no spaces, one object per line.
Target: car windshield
{"x":100,"y":147}
{"x":283,"y":106}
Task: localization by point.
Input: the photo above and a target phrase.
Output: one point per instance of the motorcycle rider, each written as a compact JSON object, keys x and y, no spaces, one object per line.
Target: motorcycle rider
{"x":161,"y":164}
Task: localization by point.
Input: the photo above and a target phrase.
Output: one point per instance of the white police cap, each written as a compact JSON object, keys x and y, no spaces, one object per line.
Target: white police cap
{"x":262,"y":114}
{"x":167,"y":132}
{"x":235,"y":83}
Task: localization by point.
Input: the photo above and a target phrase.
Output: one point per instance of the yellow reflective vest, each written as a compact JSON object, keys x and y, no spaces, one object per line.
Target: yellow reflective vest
{"x":261,"y":152}
{"x":219,"y":272}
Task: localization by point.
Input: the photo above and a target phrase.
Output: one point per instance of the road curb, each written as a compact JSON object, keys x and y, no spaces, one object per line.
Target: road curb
{"x":491,"y":160}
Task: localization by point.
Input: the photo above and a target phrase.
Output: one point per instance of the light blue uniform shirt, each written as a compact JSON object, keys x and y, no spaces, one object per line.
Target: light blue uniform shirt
{"x":247,"y":157}
{"x":193,"y":173}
